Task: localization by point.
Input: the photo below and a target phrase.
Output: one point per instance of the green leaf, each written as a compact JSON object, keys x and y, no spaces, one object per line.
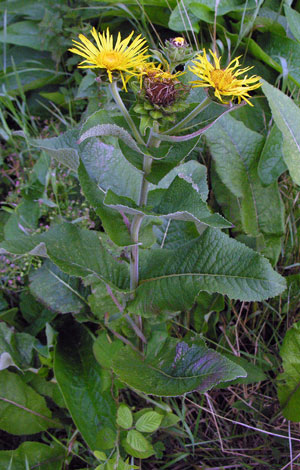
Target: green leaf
{"x":80,"y":381}
{"x":286,"y":115}
{"x":45,"y":387}
{"x":106,"y":438}
{"x":271,"y":164}
{"x":102,"y":130}
{"x":181,"y":201}
{"x":174,"y":233}
{"x":105,"y":163}
{"x":236,"y":150}
{"x":149,"y":422}
{"x":171,"y":279}
{"x":55,"y":289}
{"x":63,"y":148}
{"x":79,"y":252}
{"x":37,"y":455}
{"x":124,"y":417}
{"x":166,"y":157}
{"x":22,"y":33}
{"x":23,"y":221}
{"x":288,"y":383}
{"x":105,"y":350}
{"x":111,"y":220}
{"x":182,"y":20}
{"x":176,"y":368}
{"x":22,"y":410}
{"x":137,"y":441}
{"x":293,"y":18}
{"x":193,"y":172}
{"x":15,"y":348}
{"x":283,"y":55}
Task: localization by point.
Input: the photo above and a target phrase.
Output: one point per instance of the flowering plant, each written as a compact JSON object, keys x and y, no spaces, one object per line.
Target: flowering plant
{"x":159,"y":248}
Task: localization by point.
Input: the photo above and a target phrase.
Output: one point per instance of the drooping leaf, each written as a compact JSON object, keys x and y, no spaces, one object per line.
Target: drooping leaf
{"x":79,"y":377}
{"x":22,"y":410}
{"x":166,"y":157}
{"x":63,"y":148}
{"x":102,"y":130}
{"x":286,"y":115}
{"x":177,"y":367}
{"x":55,"y":289}
{"x":181,"y":201}
{"x":171,"y":279}
{"x":16,"y":346}
{"x":288,"y":383}
{"x":34,"y":454}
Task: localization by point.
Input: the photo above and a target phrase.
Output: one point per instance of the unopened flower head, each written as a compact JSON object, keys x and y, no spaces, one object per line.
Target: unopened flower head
{"x":161,"y":87}
{"x":121,"y":58}
{"x":226,"y":82}
{"x":178,"y":42}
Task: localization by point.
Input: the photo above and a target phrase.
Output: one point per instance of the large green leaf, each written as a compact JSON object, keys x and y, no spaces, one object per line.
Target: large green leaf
{"x":55,"y":289}
{"x":236,"y":150}
{"x":288,"y":385}
{"x":171,"y":279}
{"x":177,"y":367}
{"x":33,"y":455}
{"x":111,"y":220}
{"x":286,"y":115}
{"x":79,"y":252}
{"x":22,"y":410}
{"x":79,"y":377}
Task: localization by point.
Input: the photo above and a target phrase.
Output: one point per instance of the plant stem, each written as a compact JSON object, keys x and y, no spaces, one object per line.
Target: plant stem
{"x":115,"y":93}
{"x":189,"y":117}
{"x":154,"y":141}
{"x":136,"y":225}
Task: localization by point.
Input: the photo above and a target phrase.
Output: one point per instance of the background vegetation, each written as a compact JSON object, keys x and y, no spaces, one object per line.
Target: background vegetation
{"x":253,"y":423}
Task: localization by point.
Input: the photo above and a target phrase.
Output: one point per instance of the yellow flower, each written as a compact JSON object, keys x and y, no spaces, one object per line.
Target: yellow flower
{"x":151,"y":70}
{"x":105,"y":55}
{"x":178,"y":42}
{"x":224,"y":81}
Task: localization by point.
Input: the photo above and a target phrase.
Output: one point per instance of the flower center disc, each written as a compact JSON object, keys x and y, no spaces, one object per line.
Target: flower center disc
{"x":221,"y":78}
{"x":110,"y":60}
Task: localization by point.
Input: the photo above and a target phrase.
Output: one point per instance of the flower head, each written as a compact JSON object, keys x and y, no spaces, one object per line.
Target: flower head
{"x":161,"y":86}
{"x":121,"y":57}
{"x":178,"y":42}
{"x":150,"y":70}
{"x":224,"y":81}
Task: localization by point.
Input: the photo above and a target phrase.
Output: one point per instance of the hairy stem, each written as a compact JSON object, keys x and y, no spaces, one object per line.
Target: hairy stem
{"x":115,"y":93}
{"x":154,"y":141}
